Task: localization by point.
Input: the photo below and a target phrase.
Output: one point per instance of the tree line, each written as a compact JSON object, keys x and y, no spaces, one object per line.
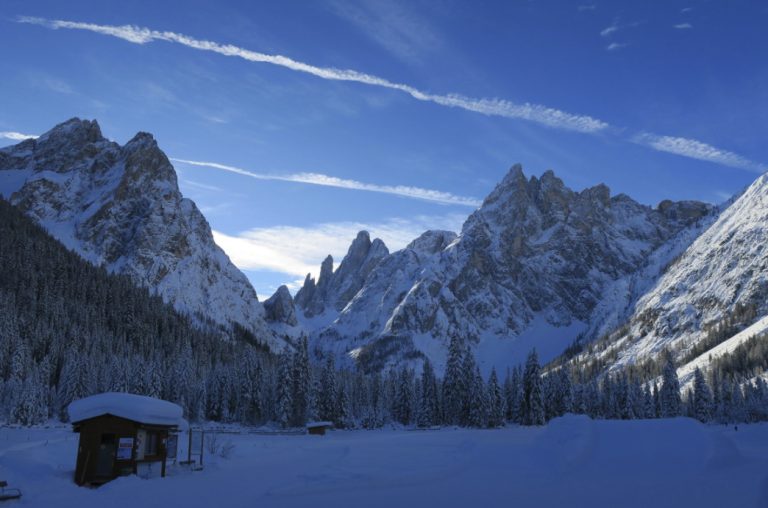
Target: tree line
{"x":69,"y":329}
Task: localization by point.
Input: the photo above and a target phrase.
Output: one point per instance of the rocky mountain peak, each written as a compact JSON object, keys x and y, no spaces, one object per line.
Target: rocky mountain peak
{"x":74,"y":132}
{"x":335,"y":289}
{"x":279,"y":307}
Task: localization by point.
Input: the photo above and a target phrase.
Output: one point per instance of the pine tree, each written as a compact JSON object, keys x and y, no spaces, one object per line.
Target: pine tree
{"x":301,"y":384}
{"x":533,"y":404}
{"x":454,"y":392}
{"x":702,"y":397}
{"x":403,"y":408}
{"x":496,"y":409}
{"x":478,"y":402}
{"x":344,"y":418}
{"x":284,"y":390}
{"x":671,"y":402}
{"x":327,"y":403}
{"x":428,"y":412}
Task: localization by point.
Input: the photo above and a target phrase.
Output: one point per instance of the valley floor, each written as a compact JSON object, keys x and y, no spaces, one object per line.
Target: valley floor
{"x":571,"y":462}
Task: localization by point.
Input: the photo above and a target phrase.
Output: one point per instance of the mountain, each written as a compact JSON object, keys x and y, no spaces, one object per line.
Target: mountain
{"x":529,"y":269}
{"x":120,"y":207}
{"x":334,"y":289}
{"x":715,"y":289}
{"x":69,"y":329}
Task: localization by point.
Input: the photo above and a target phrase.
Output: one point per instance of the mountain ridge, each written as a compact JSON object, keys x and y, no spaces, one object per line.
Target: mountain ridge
{"x":120,"y":206}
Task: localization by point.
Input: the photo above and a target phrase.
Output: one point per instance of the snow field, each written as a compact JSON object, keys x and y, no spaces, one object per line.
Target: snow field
{"x":573,"y":462}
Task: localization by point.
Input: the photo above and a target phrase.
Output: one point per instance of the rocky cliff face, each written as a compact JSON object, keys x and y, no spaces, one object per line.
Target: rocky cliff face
{"x":536,"y":259}
{"x":120,"y":206}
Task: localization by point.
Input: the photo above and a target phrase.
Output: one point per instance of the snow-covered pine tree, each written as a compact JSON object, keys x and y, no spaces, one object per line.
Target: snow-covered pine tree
{"x":285,"y":390}
{"x":496,"y":409}
{"x":428,"y":412}
{"x":301,"y":384}
{"x":532,"y":404}
{"x":702,"y":397}
{"x":328,"y":399}
{"x":344,"y":418}
{"x":403,"y":407}
{"x":478,"y":402}
{"x":669,"y":395}
{"x":453,"y":384}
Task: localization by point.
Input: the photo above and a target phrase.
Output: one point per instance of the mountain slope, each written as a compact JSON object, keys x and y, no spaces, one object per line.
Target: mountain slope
{"x":717,"y":287}
{"x":120,"y":206}
{"x":529,"y":268}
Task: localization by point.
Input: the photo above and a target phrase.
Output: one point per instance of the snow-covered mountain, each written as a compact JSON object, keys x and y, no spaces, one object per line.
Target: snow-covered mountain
{"x":530,"y":268}
{"x":120,"y":206}
{"x":718,"y":284}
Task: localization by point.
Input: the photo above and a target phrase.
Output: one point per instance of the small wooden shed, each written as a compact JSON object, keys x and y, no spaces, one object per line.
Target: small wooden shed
{"x":123,"y":434}
{"x":318,"y":428}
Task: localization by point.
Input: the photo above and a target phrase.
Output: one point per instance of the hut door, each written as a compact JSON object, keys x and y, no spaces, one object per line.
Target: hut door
{"x":105,"y":463}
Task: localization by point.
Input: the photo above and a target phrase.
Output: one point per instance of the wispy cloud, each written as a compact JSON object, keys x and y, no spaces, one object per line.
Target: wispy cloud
{"x":537,"y":113}
{"x":587,"y":7}
{"x":444,"y":198}
{"x":606,"y":32}
{"x":615,"y":46}
{"x":275,"y":248}
{"x":16,"y":136}
{"x":683,"y":26}
{"x":686,"y":9}
{"x":695,"y":149}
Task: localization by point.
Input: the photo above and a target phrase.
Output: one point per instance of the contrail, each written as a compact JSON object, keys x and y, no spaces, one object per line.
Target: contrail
{"x":493,"y":107}
{"x":697,"y":150}
{"x":444,"y":198}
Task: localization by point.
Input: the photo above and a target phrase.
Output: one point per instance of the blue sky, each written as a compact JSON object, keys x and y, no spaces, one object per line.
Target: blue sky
{"x":397,"y":116}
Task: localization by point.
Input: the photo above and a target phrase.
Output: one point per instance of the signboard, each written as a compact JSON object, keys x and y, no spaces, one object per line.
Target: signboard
{"x":125,"y":448}
{"x":171,"y":446}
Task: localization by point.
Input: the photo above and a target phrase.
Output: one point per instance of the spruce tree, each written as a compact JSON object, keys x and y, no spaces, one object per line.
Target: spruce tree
{"x":427,"y":414}
{"x":285,"y":390}
{"x":532,"y":404}
{"x":453,"y":384}
{"x":702,"y":397}
{"x":669,"y":395}
{"x":496,"y":409}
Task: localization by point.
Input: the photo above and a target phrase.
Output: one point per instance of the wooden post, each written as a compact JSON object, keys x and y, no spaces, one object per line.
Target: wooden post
{"x":189,"y":449}
{"x":163,"y":442}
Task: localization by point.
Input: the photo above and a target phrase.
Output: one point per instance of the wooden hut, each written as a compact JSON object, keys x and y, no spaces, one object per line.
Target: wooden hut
{"x":123,"y":434}
{"x":318,"y":428}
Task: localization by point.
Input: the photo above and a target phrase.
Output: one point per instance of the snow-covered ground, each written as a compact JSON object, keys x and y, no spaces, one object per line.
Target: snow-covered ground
{"x":571,"y":462}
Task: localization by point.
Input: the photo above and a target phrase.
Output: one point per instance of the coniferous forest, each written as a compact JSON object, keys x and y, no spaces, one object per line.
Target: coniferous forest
{"x":69,"y":329}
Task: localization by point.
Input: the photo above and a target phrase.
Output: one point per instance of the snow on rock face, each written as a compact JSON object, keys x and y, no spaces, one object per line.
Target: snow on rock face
{"x":723,"y":269}
{"x":534,"y":251}
{"x":120,"y":206}
{"x":138,"y":408}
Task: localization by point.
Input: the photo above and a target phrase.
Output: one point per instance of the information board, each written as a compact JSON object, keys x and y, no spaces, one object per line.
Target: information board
{"x":125,"y":448}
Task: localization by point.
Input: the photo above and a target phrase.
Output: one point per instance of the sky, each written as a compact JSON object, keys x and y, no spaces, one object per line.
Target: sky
{"x":293,"y":125}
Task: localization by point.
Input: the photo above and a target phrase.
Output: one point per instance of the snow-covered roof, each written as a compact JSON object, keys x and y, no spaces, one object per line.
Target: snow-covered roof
{"x":311,"y":425}
{"x":138,"y":408}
